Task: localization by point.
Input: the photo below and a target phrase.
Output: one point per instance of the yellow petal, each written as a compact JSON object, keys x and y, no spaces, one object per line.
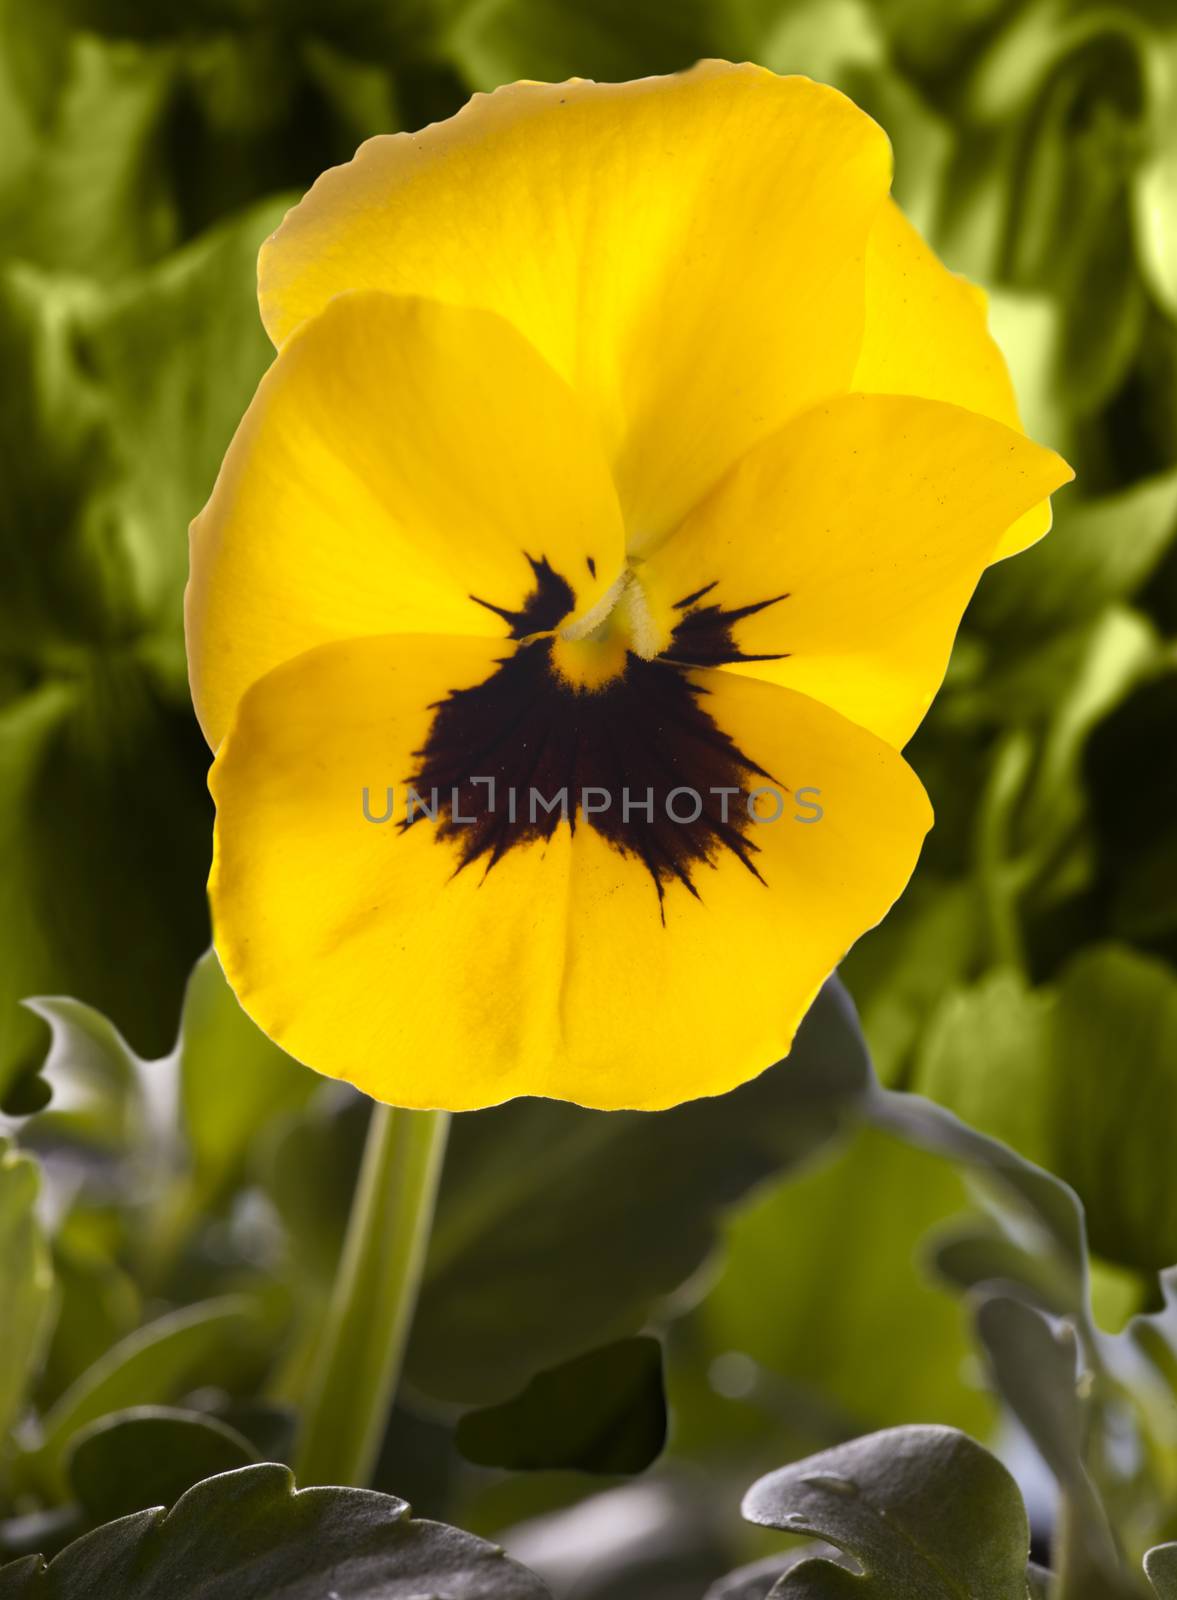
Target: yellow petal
{"x":399,"y":458}
{"x":927,"y":333}
{"x":686,"y":251}
{"x":867,"y":523}
{"x":559,"y":971}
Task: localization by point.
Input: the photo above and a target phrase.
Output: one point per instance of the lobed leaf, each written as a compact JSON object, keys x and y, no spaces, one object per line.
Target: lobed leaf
{"x":249,"y":1535}
{"x":922,"y":1510}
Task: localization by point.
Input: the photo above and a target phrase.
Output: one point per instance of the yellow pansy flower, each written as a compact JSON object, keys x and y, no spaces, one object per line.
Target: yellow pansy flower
{"x":624,"y":442}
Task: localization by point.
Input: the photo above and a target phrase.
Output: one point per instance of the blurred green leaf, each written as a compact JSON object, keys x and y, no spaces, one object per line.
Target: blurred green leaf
{"x":249,"y":1533}
{"x":1045,"y":1213}
{"x":92,"y":1073}
{"x":924,"y":1511}
{"x":497,"y":41}
{"x":824,"y":39}
{"x":232,"y":1081}
{"x":26,"y":1096}
{"x":1130,"y":772}
{"x":1027,"y":328}
{"x":1083,"y":1080}
{"x":897,"y":973}
{"x":95,"y":198}
{"x":312,"y":1167}
{"x":1156,"y":224}
{"x":779,"y":1302}
{"x":183,"y":1350}
{"x":978,"y":1255}
{"x":102,"y":817}
{"x":18,"y":136}
{"x":149,"y":1456}
{"x":107,"y":837}
{"x":601,"y":1412}
{"x":1054,"y":111}
{"x":176,"y":353}
{"x":27,"y":1280}
{"x":99,"y":1302}
{"x":267,"y":1428}
{"x":1100,"y":550}
{"x":1109,"y":655}
{"x":1155,"y":190}
{"x":1154,"y":1333}
{"x":1097,"y":353}
{"x":1056,"y":690}
{"x":136,"y":127}
{"x":1030,"y":834}
{"x":372,"y":29}
{"x":66,"y":576}
{"x":982,"y":1058}
{"x":1115,"y":1095}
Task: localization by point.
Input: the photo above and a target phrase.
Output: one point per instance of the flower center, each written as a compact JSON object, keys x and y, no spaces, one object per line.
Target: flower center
{"x":592,"y":649}
{"x":601,"y":704}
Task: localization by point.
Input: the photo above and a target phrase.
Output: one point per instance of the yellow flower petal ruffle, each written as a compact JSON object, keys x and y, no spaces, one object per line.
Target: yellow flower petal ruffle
{"x":361,"y":950}
{"x":926,"y":333}
{"x":867,"y":523}
{"x":399,"y":458}
{"x":687,"y":252}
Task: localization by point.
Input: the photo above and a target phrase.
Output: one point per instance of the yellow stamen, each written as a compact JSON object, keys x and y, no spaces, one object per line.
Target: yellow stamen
{"x":591,"y":649}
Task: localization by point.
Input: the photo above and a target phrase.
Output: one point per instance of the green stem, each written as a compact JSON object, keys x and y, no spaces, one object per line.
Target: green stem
{"x":998,"y":878}
{"x":358,"y":1362}
{"x":1077,"y":1575}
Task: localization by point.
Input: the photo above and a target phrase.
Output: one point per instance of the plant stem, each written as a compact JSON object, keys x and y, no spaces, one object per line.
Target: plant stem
{"x":999,"y":887}
{"x":358,"y":1361}
{"x":1077,"y":1576}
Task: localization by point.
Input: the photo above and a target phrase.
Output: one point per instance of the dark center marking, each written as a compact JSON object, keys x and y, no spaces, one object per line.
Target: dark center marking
{"x":704,"y":637}
{"x":548,"y":603}
{"x":643,"y":734}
